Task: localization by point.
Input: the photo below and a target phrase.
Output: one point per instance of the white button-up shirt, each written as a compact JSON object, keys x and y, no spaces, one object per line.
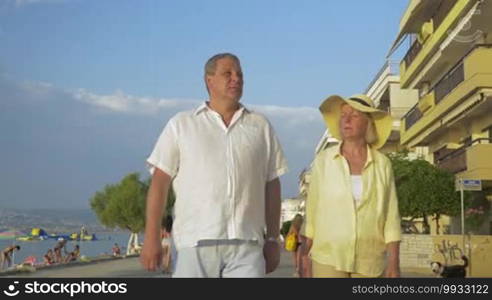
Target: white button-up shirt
{"x":219,"y":173}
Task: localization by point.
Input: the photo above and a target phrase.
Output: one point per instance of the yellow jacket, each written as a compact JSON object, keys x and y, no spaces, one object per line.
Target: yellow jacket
{"x":349,"y":238}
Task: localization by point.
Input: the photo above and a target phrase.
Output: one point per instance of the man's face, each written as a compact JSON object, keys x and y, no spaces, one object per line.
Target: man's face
{"x":227,"y":82}
{"x":353,"y":123}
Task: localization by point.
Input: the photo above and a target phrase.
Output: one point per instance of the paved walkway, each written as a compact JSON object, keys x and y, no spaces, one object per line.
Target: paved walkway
{"x":130,"y":267}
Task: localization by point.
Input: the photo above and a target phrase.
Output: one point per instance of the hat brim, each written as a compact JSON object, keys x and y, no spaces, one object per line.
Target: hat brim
{"x":331,"y":110}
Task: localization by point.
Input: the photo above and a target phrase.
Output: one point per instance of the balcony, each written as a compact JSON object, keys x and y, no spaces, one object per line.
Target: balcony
{"x":469,"y":158}
{"x":446,"y":18}
{"x":412,"y":53}
{"x":453,"y":162}
{"x":412,"y":117}
{"x":470,"y":73}
{"x":449,"y":82}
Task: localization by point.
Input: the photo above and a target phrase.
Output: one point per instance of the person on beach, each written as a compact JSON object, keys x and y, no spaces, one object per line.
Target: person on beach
{"x":6,"y":256}
{"x":352,"y":219}
{"x":74,"y":255}
{"x":294,"y":229}
{"x":166,"y":242}
{"x":116,"y":250}
{"x":49,"y":257}
{"x":60,"y":245}
{"x":224,"y":161}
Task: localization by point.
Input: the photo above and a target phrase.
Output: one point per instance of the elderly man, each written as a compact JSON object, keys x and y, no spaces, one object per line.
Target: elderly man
{"x":224,"y":161}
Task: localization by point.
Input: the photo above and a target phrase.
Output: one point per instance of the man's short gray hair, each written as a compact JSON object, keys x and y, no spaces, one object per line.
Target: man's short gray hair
{"x":211,"y":64}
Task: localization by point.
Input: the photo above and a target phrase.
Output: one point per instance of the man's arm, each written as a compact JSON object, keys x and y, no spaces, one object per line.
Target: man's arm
{"x":151,"y":256}
{"x":272,"y":208}
{"x":271,"y":249}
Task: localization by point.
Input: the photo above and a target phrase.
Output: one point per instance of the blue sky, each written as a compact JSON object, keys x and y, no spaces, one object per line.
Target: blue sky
{"x":86,"y":86}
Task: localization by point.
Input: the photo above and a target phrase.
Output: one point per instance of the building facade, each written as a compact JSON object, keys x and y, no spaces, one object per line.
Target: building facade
{"x":449,"y":63}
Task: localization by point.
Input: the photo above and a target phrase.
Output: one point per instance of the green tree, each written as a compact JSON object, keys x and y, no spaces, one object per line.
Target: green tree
{"x":423,"y":189}
{"x":477,"y":211}
{"x":122,"y":205}
{"x":171,"y":199}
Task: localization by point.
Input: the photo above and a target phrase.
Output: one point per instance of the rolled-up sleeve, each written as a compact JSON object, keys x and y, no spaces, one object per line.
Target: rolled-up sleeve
{"x":165,"y":155}
{"x":392,"y":227}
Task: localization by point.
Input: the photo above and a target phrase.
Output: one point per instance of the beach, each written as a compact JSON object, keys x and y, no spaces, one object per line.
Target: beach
{"x":100,"y":247}
{"x":130,"y":267}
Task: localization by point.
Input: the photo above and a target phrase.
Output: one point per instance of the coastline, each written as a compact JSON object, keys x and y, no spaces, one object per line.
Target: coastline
{"x":26,"y":269}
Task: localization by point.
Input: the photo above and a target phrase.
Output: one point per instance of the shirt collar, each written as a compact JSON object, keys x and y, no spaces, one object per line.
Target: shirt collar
{"x":338,"y":153}
{"x":204,"y":106}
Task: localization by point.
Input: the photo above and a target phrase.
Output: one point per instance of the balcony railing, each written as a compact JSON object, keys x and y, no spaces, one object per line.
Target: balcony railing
{"x":412,"y":53}
{"x":390,"y":67}
{"x":449,"y":82}
{"x":412,"y":117}
{"x":441,"y":13}
{"x":455,"y":161}
{"x":443,"y":87}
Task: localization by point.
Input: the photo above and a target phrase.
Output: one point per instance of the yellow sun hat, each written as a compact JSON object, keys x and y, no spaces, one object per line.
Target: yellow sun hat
{"x":331,"y":110}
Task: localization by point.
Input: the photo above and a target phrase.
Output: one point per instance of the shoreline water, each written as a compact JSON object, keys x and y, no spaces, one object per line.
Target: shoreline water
{"x":25,"y":269}
{"x":89,"y":249}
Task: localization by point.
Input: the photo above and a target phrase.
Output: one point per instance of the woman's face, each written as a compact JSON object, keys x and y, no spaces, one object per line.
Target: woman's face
{"x":353,"y":123}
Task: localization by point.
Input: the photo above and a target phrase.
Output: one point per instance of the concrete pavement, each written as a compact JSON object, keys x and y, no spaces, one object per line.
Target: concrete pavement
{"x":130,"y":267}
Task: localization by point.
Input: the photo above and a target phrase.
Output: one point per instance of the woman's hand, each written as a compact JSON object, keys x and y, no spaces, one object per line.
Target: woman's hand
{"x":393,"y":267}
{"x":392,"y":271}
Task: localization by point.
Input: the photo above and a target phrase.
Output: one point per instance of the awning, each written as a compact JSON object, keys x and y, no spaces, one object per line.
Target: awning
{"x":417,"y":13}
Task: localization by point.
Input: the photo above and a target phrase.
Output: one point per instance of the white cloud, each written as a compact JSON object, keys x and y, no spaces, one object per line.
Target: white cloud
{"x":120,"y":102}
{"x":11,"y":4}
{"x":27,"y":2}
{"x":62,"y":115}
{"x":124,"y":103}
{"x":38,"y":87}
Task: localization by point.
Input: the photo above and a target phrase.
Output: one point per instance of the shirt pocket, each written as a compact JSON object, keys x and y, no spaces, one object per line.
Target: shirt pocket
{"x":252,"y":145}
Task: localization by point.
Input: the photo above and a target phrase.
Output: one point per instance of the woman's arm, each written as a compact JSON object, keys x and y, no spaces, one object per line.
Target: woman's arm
{"x":305,"y":267}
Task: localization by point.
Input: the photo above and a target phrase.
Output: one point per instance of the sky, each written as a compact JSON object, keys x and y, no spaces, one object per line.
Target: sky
{"x":86,"y":86}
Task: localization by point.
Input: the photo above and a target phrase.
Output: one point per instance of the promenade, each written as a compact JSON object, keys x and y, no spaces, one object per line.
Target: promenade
{"x":130,"y":267}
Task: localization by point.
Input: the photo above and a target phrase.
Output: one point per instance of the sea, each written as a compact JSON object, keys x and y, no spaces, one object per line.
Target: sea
{"x":101,"y":246}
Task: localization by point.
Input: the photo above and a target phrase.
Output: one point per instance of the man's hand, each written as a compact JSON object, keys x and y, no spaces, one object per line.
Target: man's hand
{"x":271,"y":252}
{"x":151,"y":255}
{"x":271,"y":249}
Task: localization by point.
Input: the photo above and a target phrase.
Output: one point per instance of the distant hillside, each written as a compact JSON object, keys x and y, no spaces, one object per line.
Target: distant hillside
{"x":51,"y":220}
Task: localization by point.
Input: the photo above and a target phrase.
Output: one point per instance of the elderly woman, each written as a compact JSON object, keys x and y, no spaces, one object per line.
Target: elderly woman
{"x":352,"y":224}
